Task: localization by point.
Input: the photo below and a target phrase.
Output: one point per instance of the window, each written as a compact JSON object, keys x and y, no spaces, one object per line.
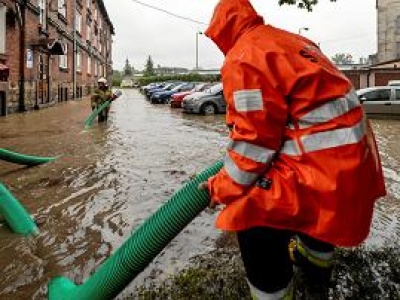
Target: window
{"x":95,"y":69}
{"x":2,"y":29}
{"x":397,"y":94}
{"x":78,"y":21}
{"x":378,"y":95}
{"x":78,"y":61}
{"x":89,"y":64}
{"x":64,"y":58}
{"x":43,"y":13}
{"x":88,"y":31}
{"x":88,"y":4}
{"x":62,"y":8}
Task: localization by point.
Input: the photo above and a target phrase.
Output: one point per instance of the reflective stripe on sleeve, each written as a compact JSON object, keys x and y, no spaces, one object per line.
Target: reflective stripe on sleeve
{"x":334,"y":138}
{"x":237,"y":175}
{"x":253,"y":152}
{"x":248,"y":100}
{"x":326,"y":140}
{"x":291,"y":148}
{"x":330,"y":110}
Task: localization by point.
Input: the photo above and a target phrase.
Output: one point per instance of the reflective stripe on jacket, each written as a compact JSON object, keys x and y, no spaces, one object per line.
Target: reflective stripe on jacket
{"x":302,"y":155}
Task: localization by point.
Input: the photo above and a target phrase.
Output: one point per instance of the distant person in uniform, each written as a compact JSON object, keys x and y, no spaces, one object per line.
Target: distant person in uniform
{"x":101,"y":95}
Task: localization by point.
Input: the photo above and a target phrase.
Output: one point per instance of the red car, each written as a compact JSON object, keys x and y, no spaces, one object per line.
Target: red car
{"x":176,"y":99}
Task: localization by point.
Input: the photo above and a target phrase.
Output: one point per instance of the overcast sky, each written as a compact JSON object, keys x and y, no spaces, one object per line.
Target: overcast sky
{"x":345,"y":26}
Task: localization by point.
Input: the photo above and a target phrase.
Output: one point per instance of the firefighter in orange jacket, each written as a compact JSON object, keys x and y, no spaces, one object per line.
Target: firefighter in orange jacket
{"x":302,"y":160}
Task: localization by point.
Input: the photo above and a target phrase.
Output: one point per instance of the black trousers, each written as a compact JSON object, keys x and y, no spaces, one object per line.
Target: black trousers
{"x":266,"y":258}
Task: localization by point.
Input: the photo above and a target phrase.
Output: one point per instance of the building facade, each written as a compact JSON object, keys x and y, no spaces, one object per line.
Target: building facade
{"x":52,"y":50}
{"x":388,"y":30}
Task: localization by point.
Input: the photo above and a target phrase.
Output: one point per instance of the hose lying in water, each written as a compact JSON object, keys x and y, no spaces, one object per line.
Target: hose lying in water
{"x":22,"y":159}
{"x":142,"y":247}
{"x":15,"y":214}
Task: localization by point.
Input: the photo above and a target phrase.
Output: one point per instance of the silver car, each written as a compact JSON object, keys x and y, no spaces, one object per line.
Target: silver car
{"x":209,"y":102}
{"x":381,"y":100}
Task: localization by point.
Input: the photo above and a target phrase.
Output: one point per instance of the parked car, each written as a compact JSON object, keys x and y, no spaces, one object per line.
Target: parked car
{"x":164,"y":97}
{"x":209,"y":102}
{"x":381,"y":100}
{"x":152,"y":85}
{"x":176,"y":99}
{"x":166,"y":87}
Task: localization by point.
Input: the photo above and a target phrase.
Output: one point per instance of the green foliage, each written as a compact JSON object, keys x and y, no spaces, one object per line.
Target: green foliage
{"x":303,"y":4}
{"x":183,"y":77}
{"x":127,"y":68}
{"x":342,"y":58}
{"x":149,"y":68}
{"x":359,"y":273}
{"x":116,"y":78}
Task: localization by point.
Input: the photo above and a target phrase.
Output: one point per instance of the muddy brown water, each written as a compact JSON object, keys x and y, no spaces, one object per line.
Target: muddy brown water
{"x":109,"y":179}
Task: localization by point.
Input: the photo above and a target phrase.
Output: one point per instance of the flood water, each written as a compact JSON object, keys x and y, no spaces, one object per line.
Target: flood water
{"x":110,"y":178}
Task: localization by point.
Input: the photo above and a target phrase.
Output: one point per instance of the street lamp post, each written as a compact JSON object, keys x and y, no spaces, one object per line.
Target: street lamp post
{"x":197,"y":49}
{"x":303,"y":28}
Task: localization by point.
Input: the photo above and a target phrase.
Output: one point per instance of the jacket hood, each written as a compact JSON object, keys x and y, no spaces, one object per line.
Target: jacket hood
{"x":230,"y":20}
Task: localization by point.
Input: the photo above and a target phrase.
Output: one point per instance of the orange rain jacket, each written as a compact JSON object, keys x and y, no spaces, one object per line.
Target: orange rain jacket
{"x":302,"y":155}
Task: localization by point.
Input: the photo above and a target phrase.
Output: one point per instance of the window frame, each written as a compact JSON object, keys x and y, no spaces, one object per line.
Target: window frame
{"x":63,"y":59}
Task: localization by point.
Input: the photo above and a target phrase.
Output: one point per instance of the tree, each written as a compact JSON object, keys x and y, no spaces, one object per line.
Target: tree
{"x":304,"y":4}
{"x":149,"y":68}
{"x":342,"y":59}
{"x":116,"y":78}
{"x":127,"y":68}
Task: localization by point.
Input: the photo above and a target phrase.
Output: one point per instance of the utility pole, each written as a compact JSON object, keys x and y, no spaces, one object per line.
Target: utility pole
{"x":197,"y":49}
{"x":21,"y":5}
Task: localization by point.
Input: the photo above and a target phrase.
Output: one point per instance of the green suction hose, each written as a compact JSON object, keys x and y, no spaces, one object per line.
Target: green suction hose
{"x":15,"y":214}
{"x":94,"y":114}
{"x":142,"y":247}
{"x":22,"y":159}
{"x":98,"y":110}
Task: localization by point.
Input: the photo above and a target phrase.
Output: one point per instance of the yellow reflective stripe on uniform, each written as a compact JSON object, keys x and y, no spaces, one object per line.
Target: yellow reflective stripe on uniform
{"x":257,"y":294}
{"x":237,"y":175}
{"x":326,"y":140}
{"x":248,"y":100}
{"x":250,"y":151}
{"x":334,"y":138}
{"x":330,"y":110}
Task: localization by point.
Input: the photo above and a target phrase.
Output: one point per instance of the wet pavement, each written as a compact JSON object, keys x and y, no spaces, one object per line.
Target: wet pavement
{"x":109,"y":179}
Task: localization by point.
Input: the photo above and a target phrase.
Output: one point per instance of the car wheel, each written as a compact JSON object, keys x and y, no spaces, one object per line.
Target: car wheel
{"x":209,"y":109}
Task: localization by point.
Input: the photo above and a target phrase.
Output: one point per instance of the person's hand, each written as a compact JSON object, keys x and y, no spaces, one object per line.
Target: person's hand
{"x":204,"y":186}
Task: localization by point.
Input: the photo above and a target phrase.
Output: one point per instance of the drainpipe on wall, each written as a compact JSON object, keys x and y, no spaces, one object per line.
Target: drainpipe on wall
{"x":74,"y":52}
{"x":22,"y":45}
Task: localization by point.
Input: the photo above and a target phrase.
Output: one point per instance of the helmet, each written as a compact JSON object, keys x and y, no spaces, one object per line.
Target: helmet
{"x":102,"y":80}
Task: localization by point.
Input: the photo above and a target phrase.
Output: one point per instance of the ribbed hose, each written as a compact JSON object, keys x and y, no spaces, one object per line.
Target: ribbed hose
{"x":142,"y":247}
{"x":22,"y":159}
{"x":15,"y":214}
{"x":94,"y":114}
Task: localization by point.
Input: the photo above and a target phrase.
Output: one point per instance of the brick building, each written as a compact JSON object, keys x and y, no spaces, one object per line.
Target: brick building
{"x":56,"y":48}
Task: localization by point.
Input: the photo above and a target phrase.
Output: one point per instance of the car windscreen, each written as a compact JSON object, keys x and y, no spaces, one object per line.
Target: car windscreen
{"x":176,"y":89}
{"x":169,"y":86}
{"x":215,"y":89}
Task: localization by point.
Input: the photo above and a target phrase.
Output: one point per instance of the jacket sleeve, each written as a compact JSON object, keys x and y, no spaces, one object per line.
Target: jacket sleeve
{"x":255,"y":89}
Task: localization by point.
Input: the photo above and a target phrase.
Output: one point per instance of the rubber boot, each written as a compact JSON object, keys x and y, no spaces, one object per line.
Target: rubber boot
{"x":312,"y":272}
